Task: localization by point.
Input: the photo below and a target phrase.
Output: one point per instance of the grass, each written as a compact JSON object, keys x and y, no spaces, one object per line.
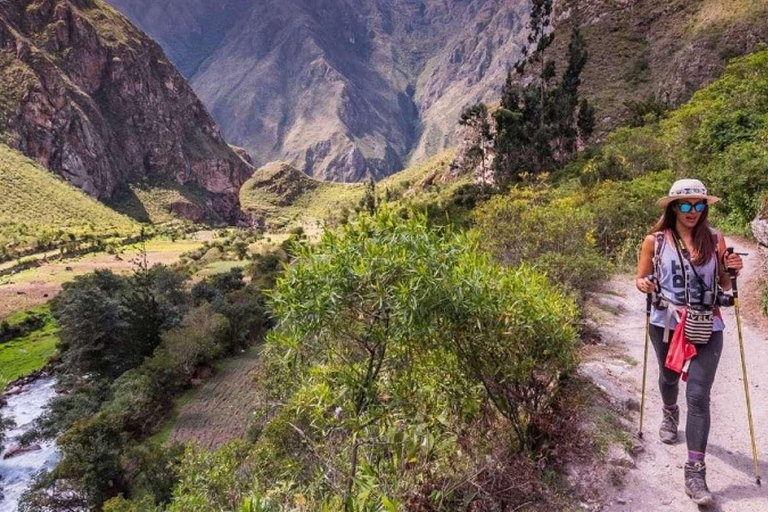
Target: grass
{"x":219,"y":267}
{"x":25,"y":355}
{"x":609,"y":430}
{"x":161,"y":436}
{"x":286,"y":197}
{"x":35,"y":203}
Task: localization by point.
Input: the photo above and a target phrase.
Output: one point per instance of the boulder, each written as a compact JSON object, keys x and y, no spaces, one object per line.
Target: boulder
{"x":17,"y":450}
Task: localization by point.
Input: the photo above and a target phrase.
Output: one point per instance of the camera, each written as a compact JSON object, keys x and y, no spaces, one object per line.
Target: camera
{"x":724,"y":300}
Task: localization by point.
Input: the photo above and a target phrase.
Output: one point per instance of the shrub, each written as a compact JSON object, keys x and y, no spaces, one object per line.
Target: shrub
{"x":209,"y":482}
{"x":199,"y":339}
{"x":626,"y":154}
{"x":389,"y":332}
{"x":624,"y":212}
{"x":551,"y":234}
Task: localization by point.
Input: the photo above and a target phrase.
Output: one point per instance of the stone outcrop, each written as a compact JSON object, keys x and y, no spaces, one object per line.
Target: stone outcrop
{"x":93,"y":99}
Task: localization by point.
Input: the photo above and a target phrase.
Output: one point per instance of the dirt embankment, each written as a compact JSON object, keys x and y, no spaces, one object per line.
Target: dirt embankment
{"x":656,"y":482}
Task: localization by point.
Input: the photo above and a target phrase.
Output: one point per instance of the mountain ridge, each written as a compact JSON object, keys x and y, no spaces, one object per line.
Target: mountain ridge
{"x":339,"y":89}
{"x":343,"y":91}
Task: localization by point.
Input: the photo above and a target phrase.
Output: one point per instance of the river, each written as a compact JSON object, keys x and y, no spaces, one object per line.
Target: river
{"x":17,"y":472}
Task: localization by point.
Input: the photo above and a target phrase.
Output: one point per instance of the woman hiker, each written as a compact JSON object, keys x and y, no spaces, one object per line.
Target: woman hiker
{"x":689,"y":261}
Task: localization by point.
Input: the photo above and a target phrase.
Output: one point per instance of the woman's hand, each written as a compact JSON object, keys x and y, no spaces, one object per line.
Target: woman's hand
{"x":645,"y":285}
{"x":733,"y":262}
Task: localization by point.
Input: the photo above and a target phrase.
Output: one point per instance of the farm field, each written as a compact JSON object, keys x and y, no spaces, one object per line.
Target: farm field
{"x":35,"y":286}
{"x":219,"y":410}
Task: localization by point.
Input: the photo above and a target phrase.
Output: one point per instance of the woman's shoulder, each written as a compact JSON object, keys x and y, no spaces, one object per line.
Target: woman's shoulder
{"x":649,"y":242}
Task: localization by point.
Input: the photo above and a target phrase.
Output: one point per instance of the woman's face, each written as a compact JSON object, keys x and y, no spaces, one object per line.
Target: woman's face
{"x":691,"y":218}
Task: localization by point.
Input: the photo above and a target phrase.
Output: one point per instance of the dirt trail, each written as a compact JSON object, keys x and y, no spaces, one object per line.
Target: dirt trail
{"x":657,"y":481}
{"x":220,"y":409}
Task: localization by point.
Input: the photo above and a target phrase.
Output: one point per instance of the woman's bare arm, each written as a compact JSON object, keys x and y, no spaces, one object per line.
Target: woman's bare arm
{"x":645,"y":266}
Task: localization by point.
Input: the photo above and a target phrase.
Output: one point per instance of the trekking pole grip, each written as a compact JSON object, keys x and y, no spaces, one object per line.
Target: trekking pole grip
{"x":649,"y":296}
{"x":732,"y":274}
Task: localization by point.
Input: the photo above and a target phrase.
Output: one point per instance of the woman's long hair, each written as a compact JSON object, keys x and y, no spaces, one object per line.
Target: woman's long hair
{"x":703,"y":242}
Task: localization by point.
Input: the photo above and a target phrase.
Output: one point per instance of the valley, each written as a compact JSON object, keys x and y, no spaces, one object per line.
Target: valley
{"x":362,"y":256}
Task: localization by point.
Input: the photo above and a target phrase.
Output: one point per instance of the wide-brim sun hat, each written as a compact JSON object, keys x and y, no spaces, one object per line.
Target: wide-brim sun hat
{"x":687,"y":189}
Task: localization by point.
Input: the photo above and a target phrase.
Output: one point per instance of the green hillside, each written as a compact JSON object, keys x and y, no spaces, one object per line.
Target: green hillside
{"x":37,"y":207}
{"x":718,"y":136}
{"x":286,"y":197}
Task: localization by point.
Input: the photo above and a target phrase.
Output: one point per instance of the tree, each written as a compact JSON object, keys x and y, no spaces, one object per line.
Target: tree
{"x":109,"y":324}
{"x":539,"y":125}
{"x":368,"y":202}
{"x":477,"y":120}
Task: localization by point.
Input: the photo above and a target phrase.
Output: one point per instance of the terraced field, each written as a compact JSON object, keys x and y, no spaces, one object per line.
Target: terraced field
{"x":219,"y":410}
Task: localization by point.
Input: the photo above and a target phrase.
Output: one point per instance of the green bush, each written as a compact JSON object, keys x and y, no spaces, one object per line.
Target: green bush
{"x":209,"y":482}
{"x":624,"y":212}
{"x":391,"y":335}
{"x":554,"y":235}
{"x":627,"y":153}
{"x":199,"y":339}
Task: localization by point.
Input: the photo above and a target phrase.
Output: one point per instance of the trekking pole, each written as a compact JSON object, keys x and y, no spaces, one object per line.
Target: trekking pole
{"x":735,"y":286}
{"x":648,"y":302}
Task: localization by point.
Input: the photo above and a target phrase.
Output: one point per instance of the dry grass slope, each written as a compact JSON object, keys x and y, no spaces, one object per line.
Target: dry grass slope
{"x":34,"y":200}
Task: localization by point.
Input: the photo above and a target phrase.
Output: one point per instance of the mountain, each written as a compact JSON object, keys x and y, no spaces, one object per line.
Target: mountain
{"x":340,"y":89}
{"x":282,"y":197}
{"x":344,"y":89}
{"x":93,"y":99}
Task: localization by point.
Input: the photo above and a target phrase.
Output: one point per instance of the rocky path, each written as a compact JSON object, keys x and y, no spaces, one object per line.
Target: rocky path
{"x":657,"y":481}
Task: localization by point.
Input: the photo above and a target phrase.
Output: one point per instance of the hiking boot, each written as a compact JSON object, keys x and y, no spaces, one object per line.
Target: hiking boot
{"x":696,"y":484}
{"x":668,"y":429}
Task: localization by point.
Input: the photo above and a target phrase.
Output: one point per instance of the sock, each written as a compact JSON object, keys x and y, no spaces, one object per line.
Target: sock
{"x":694,"y":456}
{"x":671,"y":408}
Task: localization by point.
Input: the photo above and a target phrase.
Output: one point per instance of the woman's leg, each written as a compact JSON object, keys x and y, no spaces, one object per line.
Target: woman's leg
{"x":701,"y":375}
{"x":668,"y":379}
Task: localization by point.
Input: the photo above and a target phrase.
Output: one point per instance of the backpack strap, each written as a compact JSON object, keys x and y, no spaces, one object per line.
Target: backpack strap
{"x":658,"y":246}
{"x":669,"y":309}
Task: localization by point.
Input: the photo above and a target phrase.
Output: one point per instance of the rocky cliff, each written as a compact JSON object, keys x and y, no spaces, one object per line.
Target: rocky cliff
{"x":93,"y":99}
{"x":647,"y":48}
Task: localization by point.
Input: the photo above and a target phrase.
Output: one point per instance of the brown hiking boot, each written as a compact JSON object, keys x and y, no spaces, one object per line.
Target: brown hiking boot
{"x":696,"y":484}
{"x":668,"y":429}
